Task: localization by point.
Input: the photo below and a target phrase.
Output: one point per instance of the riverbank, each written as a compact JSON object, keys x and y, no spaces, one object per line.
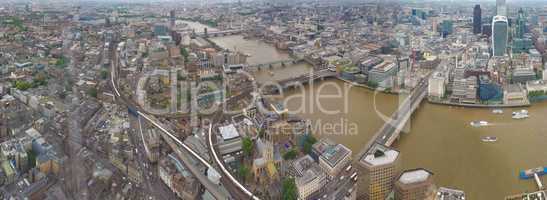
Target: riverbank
{"x":468,"y":105}
{"x":367,"y":86}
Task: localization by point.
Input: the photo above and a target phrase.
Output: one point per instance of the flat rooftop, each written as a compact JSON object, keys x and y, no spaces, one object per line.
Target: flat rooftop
{"x":414,"y":176}
{"x":379,"y":154}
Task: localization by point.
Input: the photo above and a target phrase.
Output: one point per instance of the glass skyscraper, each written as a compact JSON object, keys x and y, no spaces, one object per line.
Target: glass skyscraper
{"x":499,"y":35}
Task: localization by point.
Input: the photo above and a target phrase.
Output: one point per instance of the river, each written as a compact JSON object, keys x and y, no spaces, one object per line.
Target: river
{"x":439,"y":139}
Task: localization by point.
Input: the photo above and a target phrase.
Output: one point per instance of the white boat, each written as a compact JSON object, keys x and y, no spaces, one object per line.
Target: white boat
{"x":489,"y":139}
{"x":479,"y":123}
{"x":520,"y":114}
{"x":497,"y":111}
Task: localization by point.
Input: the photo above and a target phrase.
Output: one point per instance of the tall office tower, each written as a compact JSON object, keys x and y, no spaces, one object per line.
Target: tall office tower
{"x":501,"y":8}
{"x":477,"y":19}
{"x":415,"y":184}
{"x":378,"y":167}
{"x":499,"y":35}
{"x":172,"y":19}
{"x":521,"y":24}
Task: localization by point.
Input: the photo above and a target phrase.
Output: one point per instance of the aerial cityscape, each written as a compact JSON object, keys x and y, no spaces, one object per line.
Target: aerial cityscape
{"x":273,"y":99}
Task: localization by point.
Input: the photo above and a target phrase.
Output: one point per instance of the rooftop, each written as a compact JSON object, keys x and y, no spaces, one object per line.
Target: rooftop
{"x":228,"y":132}
{"x":414,"y":176}
{"x":379,"y":154}
{"x":450,"y":194}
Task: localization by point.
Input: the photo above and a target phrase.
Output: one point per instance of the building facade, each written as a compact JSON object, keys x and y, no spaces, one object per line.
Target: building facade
{"x":477,"y":19}
{"x":415,"y":184}
{"x":378,"y":169}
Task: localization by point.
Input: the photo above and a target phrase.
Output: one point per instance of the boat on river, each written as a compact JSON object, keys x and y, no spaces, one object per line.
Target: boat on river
{"x":497,"y":111}
{"x":489,"y":139}
{"x":520,"y":114}
{"x":479,"y":123}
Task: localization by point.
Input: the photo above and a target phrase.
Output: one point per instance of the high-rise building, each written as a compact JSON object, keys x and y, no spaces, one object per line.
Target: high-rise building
{"x":487,"y":29}
{"x":501,"y":8}
{"x":499,"y":35}
{"x":415,"y":184}
{"x":446,"y":27}
{"x":172,"y":18}
{"x":379,"y":167}
{"x":521,"y":24}
{"x":477,"y":19}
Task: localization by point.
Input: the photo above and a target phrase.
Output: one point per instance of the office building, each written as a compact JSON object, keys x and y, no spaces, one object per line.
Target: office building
{"x":160,"y":30}
{"x":447,"y":27}
{"x":523,"y":75}
{"x":501,"y":8}
{"x":522,"y":45}
{"x":437,"y":85}
{"x":332,"y":157}
{"x":172,"y":19}
{"x":378,"y":167}
{"x":382,"y":71}
{"x":499,"y":35}
{"x":521,"y":24}
{"x":477,"y":19}
{"x":415,"y":184}
{"x":309,"y":177}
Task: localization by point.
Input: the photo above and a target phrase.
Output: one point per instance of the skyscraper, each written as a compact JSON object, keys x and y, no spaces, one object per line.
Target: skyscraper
{"x":477,"y":19}
{"x":499,"y":35}
{"x":521,"y":24}
{"x":172,"y":18}
{"x":501,"y":8}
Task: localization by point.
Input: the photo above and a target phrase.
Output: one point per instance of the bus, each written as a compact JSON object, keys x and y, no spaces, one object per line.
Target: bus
{"x":348,"y":168}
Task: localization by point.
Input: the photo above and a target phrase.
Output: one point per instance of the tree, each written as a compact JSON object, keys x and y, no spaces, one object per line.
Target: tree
{"x":247,"y":146}
{"x":31,"y":159}
{"x":104,"y":74}
{"x":92,"y":92}
{"x":372,"y":84}
{"x":184,"y":53}
{"x":244,"y":172}
{"x":308,"y":143}
{"x":289,"y":191}
{"x":290,"y":154}
{"x":22,"y":85}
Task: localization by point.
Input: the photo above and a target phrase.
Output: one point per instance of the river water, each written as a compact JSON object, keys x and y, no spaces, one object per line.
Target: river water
{"x":439,"y":138}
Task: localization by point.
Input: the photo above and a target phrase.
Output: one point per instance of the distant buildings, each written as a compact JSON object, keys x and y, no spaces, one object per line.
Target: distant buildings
{"x":501,"y":8}
{"x":220,"y":59}
{"x":415,"y":184}
{"x":477,"y":19}
{"x":379,"y":167}
{"x":160,"y":30}
{"x":499,"y":35}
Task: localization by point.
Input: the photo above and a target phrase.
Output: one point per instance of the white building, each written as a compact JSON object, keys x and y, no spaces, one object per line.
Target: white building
{"x":437,"y":85}
{"x":309,"y":178}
